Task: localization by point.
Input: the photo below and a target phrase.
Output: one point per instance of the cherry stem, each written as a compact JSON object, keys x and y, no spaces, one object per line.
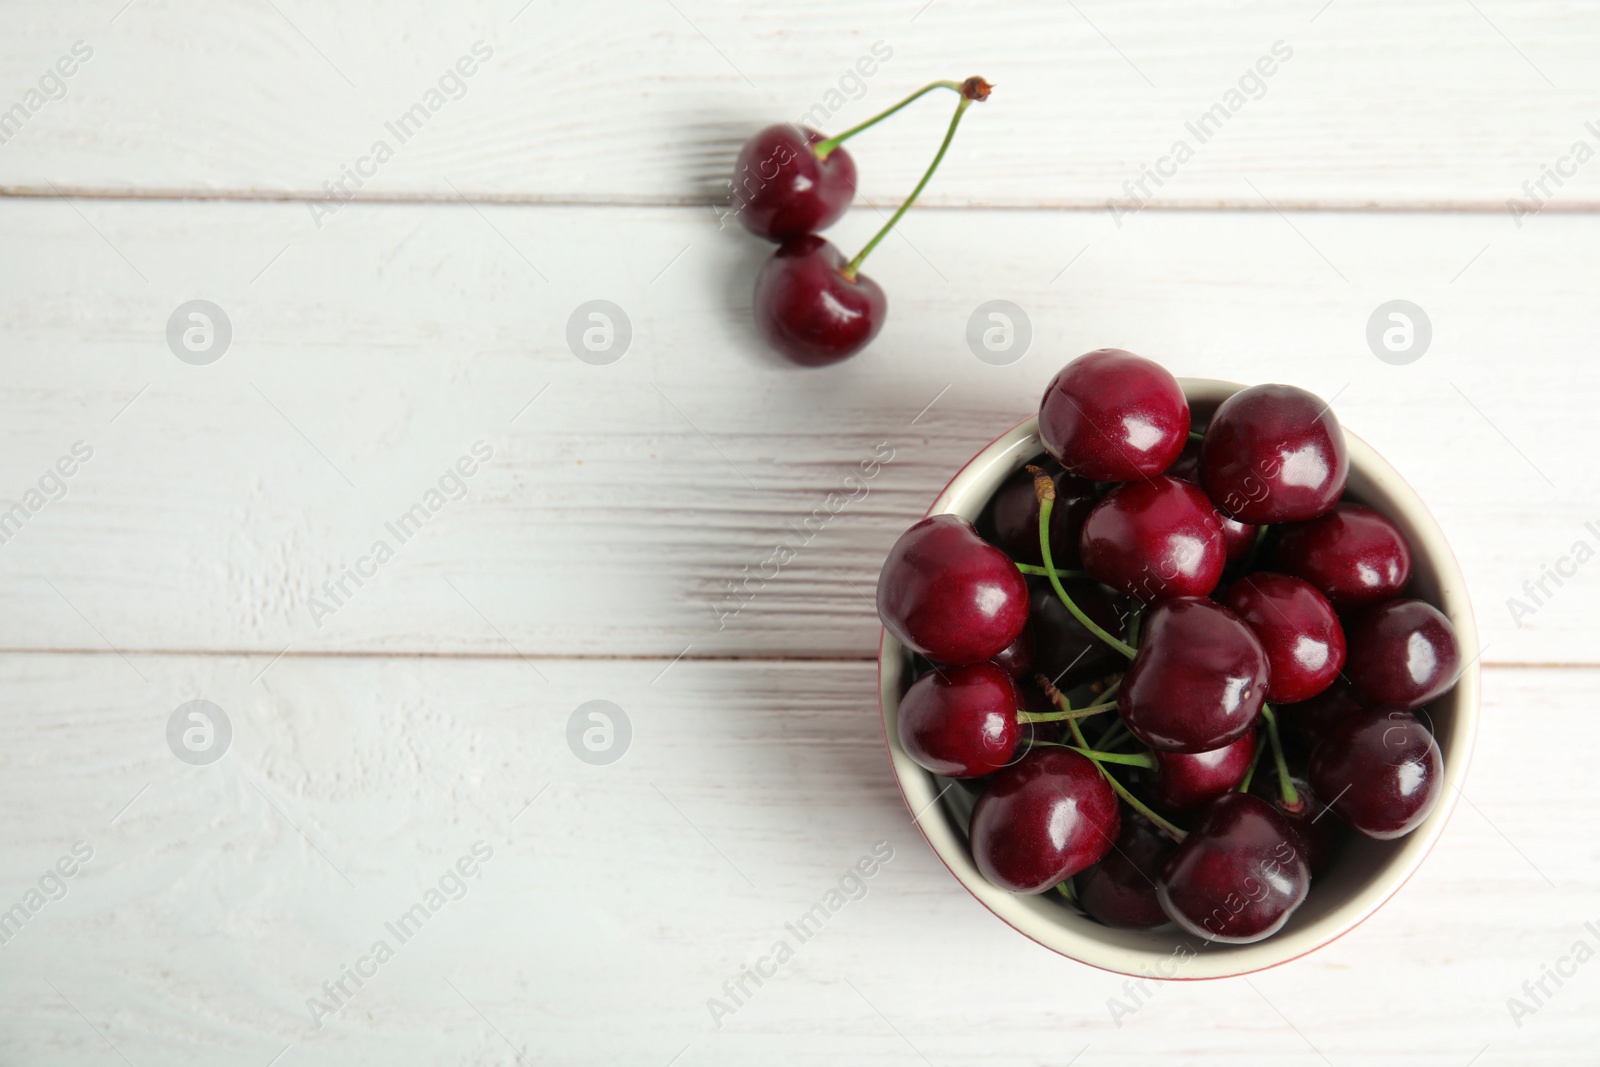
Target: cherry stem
{"x":1029,"y":568}
{"x":1065,"y":889}
{"x":1196,"y":435}
{"x":825,"y":148}
{"x":1063,"y":716}
{"x":1249,"y":775}
{"x":1046,"y":489}
{"x":1121,"y":790}
{"x":1291,"y":797}
{"x":1127,"y":759}
{"x":1112,"y":737}
{"x":854,"y":265}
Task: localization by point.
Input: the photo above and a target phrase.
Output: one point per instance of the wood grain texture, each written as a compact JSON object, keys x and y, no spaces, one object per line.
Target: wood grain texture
{"x":1380,"y":104}
{"x":617,"y":903}
{"x":369,"y":356}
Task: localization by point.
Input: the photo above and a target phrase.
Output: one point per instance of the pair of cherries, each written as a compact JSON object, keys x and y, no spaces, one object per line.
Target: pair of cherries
{"x":1165,"y":620}
{"x":811,"y":304}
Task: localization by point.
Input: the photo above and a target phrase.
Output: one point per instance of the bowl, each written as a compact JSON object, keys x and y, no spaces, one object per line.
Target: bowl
{"x":1365,"y":874}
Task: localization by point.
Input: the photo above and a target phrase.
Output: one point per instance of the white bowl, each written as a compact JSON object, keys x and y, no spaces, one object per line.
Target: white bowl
{"x":1363,"y":875}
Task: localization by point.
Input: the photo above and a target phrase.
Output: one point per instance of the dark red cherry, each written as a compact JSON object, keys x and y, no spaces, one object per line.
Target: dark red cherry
{"x":1317,"y":829}
{"x":1298,"y":629}
{"x":1154,"y":539}
{"x":1352,"y":554}
{"x":1017,"y":658}
{"x":1042,"y":819}
{"x":1120,"y":890}
{"x":1014,"y":510}
{"x":1381,"y":772}
{"x":1239,"y":874}
{"x":960,"y":722}
{"x":809,"y":311}
{"x":1064,"y":650}
{"x":1237,"y":538}
{"x":1274,"y":453}
{"x":1198,"y":681}
{"x":1403,"y":653}
{"x":1183,"y":781}
{"x":950,"y":595}
{"x":1113,"y":416}
{"x":1303,"y":725}
{"x":782,"y":190}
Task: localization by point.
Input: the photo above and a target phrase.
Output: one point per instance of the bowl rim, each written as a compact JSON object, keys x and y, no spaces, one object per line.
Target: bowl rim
{"x":917,"y":785}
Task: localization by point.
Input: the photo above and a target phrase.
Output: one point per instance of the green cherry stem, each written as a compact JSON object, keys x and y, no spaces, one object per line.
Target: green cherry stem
{"x":1291,"y":797}
{"x":971,"y":89}
{"x":1113,"y":737}
{"x":1195,"y":435}
{"x":825,"y":148}
{"x":1122,"y":791}
{"x":1046,"y":489}
{"x":1029,"y":568}
{"x":1249,"y":775}
{"x":1063,"y":716}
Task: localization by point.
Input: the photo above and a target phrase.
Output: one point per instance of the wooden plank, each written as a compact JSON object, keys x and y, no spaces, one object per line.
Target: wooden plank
{"x":218,"y":898}
{"x":1418,"y":104}
{"x":369,"y":357}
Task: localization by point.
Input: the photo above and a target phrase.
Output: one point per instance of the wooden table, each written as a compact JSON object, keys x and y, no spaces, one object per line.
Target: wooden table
{"x":200,"y":521}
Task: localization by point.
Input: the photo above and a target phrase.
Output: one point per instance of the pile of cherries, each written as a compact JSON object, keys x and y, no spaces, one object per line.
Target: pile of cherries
{"x":1237,"y":637}
{"x":789,"y":182}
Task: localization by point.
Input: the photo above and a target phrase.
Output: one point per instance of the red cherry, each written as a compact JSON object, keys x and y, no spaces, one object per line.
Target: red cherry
{"x":1403,"y":653}
{"x":1237,"y":538}
{"x":1383,"y":771}
{"x":1297,"y":627}
{"x":1065,"y":651}
{"x":1239,"y":874}
{"x":1352,"y":554}
{"x":1198,"y":681}
{"x":1014,"y":510}
{"x":1274,"y":453}
{"x":809,"y":311}
{"x":950,"y":595}
{"x":1120,"y":890}
{"x":1043,"y":819}
{"x":1017,"y":658}
{"x":1154,"y":539}
{"x":1185,"y":780}
{"x":782,"y":190}
{"x":960,"y":722}
{"x":1113,"y":416}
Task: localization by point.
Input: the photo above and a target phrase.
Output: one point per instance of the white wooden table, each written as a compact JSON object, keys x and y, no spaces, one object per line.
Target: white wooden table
{"x":382,"y":732}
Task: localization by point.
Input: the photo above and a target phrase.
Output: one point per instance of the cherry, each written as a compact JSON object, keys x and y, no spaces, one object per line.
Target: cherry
{"x":1298,"y":629}
{"x":1043,"y":819}
{"x":809,"y":310}
{"x":1120,"y":890}
{"x":1383,"y":771}
{"x":1017,"y":658}
{"x":1274,"y":453}
{"x":1237,"y":538}
{"x":1185,"y":780}
{"x":950,"y":595}
{"x":1403,"y":653}
{"x":1065,"y":651}
{"x":782,"y":189}
{"x":1317,"y":831}
{"x":1198,"y":681}
{"x":1014,"y":511}
{"x":1239,"y":874}
{"x":960,"y":722}
{"x":1305,"y":723}
{"x":1113,"y":416}
{"x":1352,"y":554}
{"x":1154,"y":539}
